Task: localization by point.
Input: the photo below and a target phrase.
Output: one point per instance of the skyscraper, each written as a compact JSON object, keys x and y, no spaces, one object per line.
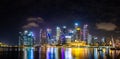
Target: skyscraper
{"x":58,"y":33}
{"x":85,"y":32}
{"x":63,"y":34}
{"x":49,"y":36}
{"x":77,"y":32}
{"x":89,"y":39}
{"x":26,"y":38}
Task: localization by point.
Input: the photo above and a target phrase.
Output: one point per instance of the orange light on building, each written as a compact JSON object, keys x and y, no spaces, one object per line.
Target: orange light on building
{"x":77,"y":28}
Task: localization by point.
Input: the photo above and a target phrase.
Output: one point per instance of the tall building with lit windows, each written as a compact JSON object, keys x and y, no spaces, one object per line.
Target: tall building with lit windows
{"x":89,"y":39}
{"x":63,"y":34}
{"x":77,"y":32}
{"x":85,"y":32}
{"x":43,"y":36}
{"x":64,"y":30}
{"x":58,"y":33}
{"x":49,"y":35}
{"x":26,"y":38}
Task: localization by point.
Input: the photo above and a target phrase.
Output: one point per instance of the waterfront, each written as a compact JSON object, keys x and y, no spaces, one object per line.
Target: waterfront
{"x":60,"y":53}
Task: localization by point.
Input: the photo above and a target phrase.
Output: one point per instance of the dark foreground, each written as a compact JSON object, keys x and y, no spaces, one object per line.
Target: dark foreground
{"x":59,"y":53}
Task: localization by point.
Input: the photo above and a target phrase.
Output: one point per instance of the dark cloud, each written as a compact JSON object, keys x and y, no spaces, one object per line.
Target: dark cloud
{"x":30,"y":25}
{"x":38,"y":20}
{"x":33,"y":22}
{"x":106,"y":26}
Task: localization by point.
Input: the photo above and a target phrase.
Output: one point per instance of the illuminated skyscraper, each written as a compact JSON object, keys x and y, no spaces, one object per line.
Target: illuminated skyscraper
{"x":77,"y":32}
{"x":64,"y":30}
{"x":68,"y":39}
{"x":63,"y":34}
{"x":58,"y":33}
{"x":71,"y":33}
{"x":26,"y":38}
{"x":40,"y":36}
{"x":89,"y":39}
{"x":62,"y":39}
{"x":49,"y":36}
{"x":43,"y":37}
{"x":85,"y":32}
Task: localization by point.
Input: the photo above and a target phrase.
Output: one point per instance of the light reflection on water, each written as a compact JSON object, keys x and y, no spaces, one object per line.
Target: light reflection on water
{"x":71,"y":53}
{"x":61,"y":53}
{"x":95,"y":53}
{"x":68,"y":53}
{"x":28,"y":53}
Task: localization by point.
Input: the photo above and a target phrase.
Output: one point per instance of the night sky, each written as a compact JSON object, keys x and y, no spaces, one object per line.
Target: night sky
{"x":55,"y":12}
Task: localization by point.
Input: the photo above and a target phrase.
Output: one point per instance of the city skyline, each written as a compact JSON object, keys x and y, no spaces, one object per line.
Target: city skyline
{"x":58,"y":13}
{"x":33,"y":28}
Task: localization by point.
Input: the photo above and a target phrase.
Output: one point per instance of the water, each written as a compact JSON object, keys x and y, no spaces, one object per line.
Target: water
{"x":59,"y":53}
